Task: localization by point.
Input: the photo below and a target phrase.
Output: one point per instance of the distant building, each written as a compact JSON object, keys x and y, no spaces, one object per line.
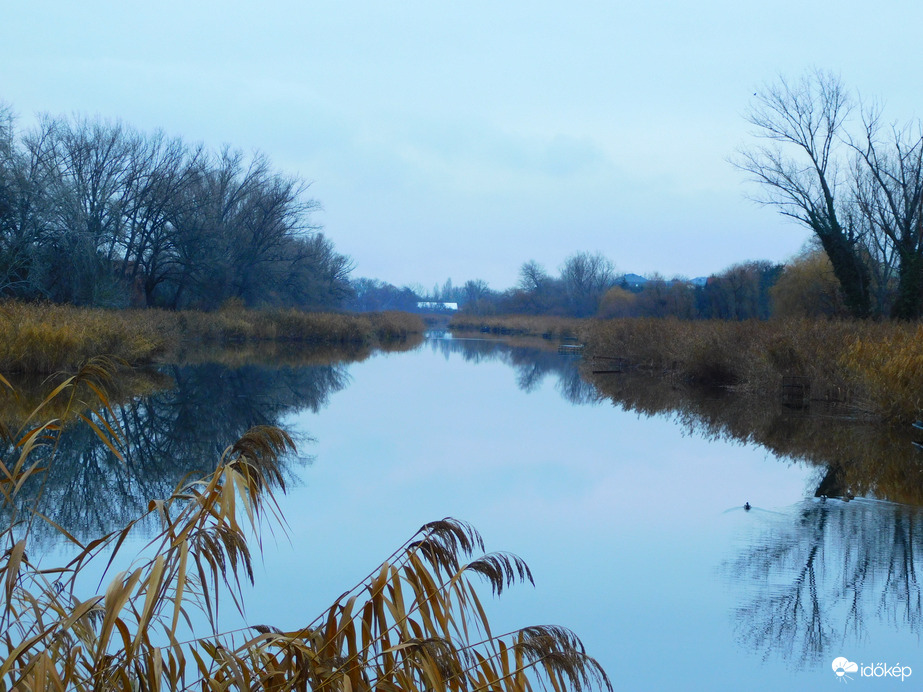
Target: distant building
{"x":634,"y":281}
{"x":433,"y":306}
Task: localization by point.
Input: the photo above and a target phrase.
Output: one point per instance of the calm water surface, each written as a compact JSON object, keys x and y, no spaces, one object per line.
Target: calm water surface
{"x":633,"y":526}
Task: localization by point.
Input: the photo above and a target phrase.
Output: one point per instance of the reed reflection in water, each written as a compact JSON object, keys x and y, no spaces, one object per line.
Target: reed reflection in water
{"x":853,"y":457}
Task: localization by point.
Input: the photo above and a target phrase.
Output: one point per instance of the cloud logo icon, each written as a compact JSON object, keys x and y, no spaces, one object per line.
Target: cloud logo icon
{"x":841,"y":666}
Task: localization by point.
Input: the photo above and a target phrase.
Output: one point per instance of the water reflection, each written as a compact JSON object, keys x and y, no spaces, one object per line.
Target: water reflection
{"x":532,"y":361}
{"x":805,"y":581}
{"x":815,"y":578}
{"x":178,"y":431}
{"x":855,"y":458}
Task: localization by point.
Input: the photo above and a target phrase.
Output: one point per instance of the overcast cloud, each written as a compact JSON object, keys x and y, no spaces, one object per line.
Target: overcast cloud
{"x":462,"y":139}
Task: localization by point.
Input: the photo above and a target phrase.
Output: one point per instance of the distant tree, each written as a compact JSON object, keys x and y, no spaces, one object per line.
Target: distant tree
{"x":585,"y":277}
{"x":479,"y":299}
{"x":741,"y":292}
{"x":94,"y":212}
{"x":533,"y":277}
{"x":372,"y":295}
{"x":660,"y":297}
{"x":618,"y":302}
{"x":808,"y":288}
{"x":539,"y":292}
{"x":308,"y":273}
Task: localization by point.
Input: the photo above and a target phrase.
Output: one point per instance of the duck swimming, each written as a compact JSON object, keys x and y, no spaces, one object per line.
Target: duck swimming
{"x":747,"y":506}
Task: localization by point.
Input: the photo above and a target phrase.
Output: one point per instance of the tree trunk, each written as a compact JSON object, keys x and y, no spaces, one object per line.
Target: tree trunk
{"x":907,"y":305}
{"x":850,"y":271}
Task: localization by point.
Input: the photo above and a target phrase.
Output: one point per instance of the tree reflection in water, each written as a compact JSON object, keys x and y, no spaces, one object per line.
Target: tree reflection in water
{"x":814,"y":578}
{"x":169,"y":435}
{"x":532,"y":362}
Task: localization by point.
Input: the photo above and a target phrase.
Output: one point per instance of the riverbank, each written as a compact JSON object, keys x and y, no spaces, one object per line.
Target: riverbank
{"x":522,"y":325}
{"x":873,"y":368}
{"x":45,"y":338}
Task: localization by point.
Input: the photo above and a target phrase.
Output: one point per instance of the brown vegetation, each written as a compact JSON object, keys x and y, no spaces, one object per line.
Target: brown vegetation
{"x":853,"y":457}
{"x":521,"y":325}
{"x":27,"y":391}
{"x":46,"y":338}
{"x":876,"y":367}
{"x":808,"y":288}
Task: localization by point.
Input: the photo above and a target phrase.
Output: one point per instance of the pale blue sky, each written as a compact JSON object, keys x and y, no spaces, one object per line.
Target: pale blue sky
{"x":462,"y":139}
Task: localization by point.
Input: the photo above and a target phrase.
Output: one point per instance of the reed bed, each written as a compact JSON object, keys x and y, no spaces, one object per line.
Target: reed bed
{"x":521,"y":325}
{"x":45,"y":338}
{"x":290,"y":325}
{"x":888,"y":371}
{"x":414,"y":623}
{"x":876,"y":367}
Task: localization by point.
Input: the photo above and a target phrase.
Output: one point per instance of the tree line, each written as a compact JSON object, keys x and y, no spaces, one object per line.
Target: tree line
{"x":94,"y":212}
{"x":587,"y":285}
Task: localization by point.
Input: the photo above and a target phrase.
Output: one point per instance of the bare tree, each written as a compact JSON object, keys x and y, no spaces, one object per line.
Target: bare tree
{"x":161,"y":169}
{"x":889,"y":199}
{"x":26,"y":227}
{"x":533,"y":277}
{"x":586,"y":277}
{"x":91,"y":160}
{"x":802,"y":171}
{"x":95,"y":212}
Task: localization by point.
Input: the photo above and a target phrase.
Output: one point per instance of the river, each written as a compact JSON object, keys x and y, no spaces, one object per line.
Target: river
{"x":633,"y":524}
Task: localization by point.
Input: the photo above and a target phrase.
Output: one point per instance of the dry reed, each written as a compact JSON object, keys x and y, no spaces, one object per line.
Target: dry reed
{"x":45,"y":338}
{"x":521,"y":325}
{"x":877,"y":367}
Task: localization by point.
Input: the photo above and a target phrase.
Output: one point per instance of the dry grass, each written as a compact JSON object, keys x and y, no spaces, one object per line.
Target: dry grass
{"x":48,"y":338}
{"x":878,"y":367}
{"x":875,"y":366}
{"x":45,"y":338}
{"x":414,"y":623}
{"x":887,"y":368}
{"x":235,"y":325}
{"x":521,"y":325}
